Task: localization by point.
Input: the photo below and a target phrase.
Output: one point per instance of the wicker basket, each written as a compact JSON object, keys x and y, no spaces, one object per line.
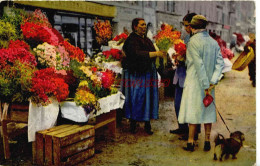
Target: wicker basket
{"x":243,"y":60}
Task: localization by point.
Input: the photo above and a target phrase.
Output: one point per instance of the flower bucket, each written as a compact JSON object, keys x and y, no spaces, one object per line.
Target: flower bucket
{"x":41,"y":117}
{"x":69,"y":110}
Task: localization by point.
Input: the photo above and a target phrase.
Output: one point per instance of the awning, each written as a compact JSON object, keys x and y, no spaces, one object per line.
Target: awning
{"x":74,"y":6}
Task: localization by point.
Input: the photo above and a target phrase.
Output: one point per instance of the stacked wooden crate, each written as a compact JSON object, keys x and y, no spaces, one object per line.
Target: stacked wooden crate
{"x":65,"y":145}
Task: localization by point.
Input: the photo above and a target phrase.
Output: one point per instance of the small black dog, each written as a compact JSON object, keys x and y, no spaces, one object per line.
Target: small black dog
{"x":228,"y":146}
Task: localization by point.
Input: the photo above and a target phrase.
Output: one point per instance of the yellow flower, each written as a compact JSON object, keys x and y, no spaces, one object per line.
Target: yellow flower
{"x":83,"y":84}
{"x":86,"y":70}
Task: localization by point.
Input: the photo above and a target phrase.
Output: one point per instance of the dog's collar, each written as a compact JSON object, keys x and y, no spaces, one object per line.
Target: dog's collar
{"x":239,"y":141}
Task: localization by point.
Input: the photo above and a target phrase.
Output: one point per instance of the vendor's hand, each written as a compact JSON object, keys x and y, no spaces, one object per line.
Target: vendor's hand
{"x":161,"y":54}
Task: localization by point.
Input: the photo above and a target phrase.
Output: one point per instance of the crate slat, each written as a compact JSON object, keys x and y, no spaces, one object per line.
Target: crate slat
{"x":79,"y":157}
{"x":77,"y":147}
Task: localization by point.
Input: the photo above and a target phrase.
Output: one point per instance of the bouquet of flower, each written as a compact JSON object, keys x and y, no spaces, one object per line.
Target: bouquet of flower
{"x":47,"y":83}
{"x":103,"y":30}
{"x":74,"y":52}
{"x":46,"y":55}
{"x":165,"y":39}
{"x":18,"y":50}
{"x":36,"y":29}
{"x":52,"y":56}
{"x":115,"y":54}
{"x":180,"y":49}
{"x":120,"y":38}
{"x":86,"y":98}
{"x":35,"y":34}
{"x":15,"y":81}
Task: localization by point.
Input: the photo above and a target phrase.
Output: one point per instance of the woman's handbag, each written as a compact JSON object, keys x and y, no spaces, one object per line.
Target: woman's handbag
{"x":208,"y":99}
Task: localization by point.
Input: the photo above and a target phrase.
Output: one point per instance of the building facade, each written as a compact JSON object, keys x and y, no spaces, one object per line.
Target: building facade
{"x":75,"y":19}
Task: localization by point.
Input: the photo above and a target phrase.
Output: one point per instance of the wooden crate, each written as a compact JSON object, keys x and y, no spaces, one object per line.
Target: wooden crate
{"x":65,"y":145}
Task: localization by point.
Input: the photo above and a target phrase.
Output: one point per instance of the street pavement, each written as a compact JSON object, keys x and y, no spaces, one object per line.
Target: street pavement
{"x":235,"y":100}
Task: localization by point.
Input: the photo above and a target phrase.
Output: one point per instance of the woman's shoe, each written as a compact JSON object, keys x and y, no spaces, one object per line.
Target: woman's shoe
{"x":133,"y":126}
{"x":190,"y":147}
{"x":147,"y":127}
{"x":149,"y":132}
{"x":207,"y":146}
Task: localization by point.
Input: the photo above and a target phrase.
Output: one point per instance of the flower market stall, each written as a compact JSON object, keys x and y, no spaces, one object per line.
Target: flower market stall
{"x":40,"y":68}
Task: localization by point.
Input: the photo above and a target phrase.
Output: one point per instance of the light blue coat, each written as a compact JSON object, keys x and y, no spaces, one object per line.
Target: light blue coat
{"x":204,"y":66}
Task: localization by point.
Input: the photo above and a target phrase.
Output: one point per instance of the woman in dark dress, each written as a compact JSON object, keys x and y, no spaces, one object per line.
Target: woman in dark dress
{"x":140,"y":81}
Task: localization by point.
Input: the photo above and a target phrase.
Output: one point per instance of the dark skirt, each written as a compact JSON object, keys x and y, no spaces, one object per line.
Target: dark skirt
{"x":141,"y":95}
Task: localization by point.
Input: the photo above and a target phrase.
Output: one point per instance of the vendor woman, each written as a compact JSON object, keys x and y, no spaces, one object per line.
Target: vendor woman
{"x":140,"y":81}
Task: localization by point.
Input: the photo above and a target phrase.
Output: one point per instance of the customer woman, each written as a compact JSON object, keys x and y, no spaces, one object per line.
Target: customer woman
{"x":204,"y":66}
{"x":140,"y":82}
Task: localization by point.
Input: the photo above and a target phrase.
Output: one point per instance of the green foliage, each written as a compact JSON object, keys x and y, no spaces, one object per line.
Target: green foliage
{"x":7,"y":33}
{"x":164,"y":44}
{"x":98,"y":91}
{"x":15,"y":17}
{"x":77,"y":72}
{"x":15,"y":82}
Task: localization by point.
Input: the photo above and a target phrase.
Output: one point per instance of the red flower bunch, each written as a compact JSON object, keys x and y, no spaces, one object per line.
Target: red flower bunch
{"x":94,"y":69}
{"x":240,"y":38}
{"x":40,"y":34}
{"x":18,"y":50}
{"x":103,"y":31}
{"x":122,"y":36}
{"x":47,"y":83}
{"x":19,"y":44}
{"x":227,"y":53}
{"x":107,"y":79}
{"x":115,"y":53}
{"x":180,"y":48}
{"x":74,"y":52}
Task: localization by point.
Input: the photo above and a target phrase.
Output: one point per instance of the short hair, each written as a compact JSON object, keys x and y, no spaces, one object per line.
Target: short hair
{"x":135,"y":23}
{"x":188,"y":17}
{"x":199,"y":22}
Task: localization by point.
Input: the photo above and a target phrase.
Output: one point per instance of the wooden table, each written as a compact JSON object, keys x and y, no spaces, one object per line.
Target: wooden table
{"x":19,"y":113}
